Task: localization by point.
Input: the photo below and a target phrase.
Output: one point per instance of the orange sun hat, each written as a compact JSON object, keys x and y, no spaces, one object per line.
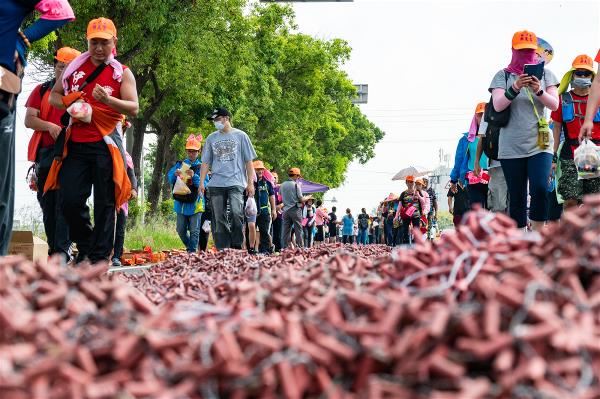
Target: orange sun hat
{"x":294,"y":172}
{"x":101,"y":28}
{"x":258,"y":164}
{"x":66,"y":54}
{"x":480,"y":108}
{"x":524,"y":40}
{"x":193,"y":142}
{"x":583,"y":61}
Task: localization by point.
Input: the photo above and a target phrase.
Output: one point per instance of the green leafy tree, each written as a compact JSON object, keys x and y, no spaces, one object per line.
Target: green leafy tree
{"x":286,"y":90}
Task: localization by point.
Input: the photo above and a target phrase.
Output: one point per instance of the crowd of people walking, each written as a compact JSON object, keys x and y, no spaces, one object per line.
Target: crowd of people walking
{"x":512,"y":159}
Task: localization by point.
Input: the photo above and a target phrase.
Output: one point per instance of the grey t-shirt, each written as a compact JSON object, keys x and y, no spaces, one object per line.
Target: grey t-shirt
{"x":226,"y":154}
{"x":518,"y":139}
{"x":291,"y":194}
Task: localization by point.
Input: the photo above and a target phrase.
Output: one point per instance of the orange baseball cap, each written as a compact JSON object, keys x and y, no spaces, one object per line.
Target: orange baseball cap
{"x":524,"y":39}
{"x":597,"y":57}
{"x":193,"y":142}
{"x":101,"y":28}
{"x":66,"y":54}
{"x":480,"y":109}
{"x":410,"y":178}
{"x":258,"y":164}
{"x":294,"y":172}
{"x":583,"y":61}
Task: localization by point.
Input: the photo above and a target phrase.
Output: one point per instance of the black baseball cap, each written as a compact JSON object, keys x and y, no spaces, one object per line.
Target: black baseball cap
{"x":218,"y":112}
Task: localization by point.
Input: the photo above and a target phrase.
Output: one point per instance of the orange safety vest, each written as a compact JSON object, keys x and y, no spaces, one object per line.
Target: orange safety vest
{"x":36,"y":139}
{"x":105,"y":121}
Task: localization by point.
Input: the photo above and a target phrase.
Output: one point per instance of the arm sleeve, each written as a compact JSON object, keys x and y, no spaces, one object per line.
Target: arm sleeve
{"x":196,"y":180}
{"x":55,"y":10}
{"x":497,"y":87}
{"x":42,"y":27}
{"x":298,"y":192}
{"x":248,"y":152}
{"x":458,"y":159}
{"x":557,"y":115}
{"x":132,"y":178}
{"x":207,"y":156}
{"x":35,"y":100}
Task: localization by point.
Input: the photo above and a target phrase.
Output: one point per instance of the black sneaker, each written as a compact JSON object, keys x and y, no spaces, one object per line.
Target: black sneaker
{"x":252,"y":251}
{"x":81,"y":258}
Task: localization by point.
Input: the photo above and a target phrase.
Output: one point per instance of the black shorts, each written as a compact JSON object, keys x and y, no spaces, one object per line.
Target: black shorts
{"x":319,"y":236}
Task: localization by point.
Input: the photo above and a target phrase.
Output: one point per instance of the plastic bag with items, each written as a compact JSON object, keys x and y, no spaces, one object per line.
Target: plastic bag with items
{"x":587,"y":160}
{"x":206,"y":226}
{"x":81,"y":111}
{"x":251,"y":209}
{"x":180,"y":187}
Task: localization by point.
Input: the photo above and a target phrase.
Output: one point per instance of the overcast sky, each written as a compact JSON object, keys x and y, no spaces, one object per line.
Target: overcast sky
{"x":427,"y":64}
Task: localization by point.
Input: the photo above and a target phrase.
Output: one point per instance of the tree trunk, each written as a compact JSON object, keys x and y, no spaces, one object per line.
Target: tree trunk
{"x":167,"y":129}
{"x":138,"y":131}
{"x":169,"y":161}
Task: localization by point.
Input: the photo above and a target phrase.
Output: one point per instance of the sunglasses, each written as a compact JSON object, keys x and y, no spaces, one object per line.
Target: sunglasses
{"x":584,"y":74}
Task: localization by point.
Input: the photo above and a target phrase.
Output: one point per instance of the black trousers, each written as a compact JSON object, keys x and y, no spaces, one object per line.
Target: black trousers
{"x":89,"y":165}
{"x":263,"y":221}
{"x":405,"y":228}
{"x":203,"y":240}
{"x":277,"y":232}
{"x":120,"y":234}
{"x":55,"y":225}
{"x":7,"y":179}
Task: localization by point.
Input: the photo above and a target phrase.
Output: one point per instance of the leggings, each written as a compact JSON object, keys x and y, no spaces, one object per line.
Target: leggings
{"x":518,"y":172}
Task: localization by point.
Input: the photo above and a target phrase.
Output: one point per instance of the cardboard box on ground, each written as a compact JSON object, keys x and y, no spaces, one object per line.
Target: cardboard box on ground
{"x":25,"y":243}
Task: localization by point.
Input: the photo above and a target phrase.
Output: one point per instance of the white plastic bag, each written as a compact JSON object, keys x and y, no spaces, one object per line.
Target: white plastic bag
{"x":587,"y":160}
{"x":81,"y":111}
{"x":206,"y":226}
{"x":251,"y":209}
{"x":181,"y":188}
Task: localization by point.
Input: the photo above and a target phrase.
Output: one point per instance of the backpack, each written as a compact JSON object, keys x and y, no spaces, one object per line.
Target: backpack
{"x":193,"y":196}
{"x":496,"y":121}
{"x":363,"y":222}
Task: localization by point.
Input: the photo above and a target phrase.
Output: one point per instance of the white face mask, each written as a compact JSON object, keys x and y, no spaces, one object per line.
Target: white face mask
{"x":219,"y":125}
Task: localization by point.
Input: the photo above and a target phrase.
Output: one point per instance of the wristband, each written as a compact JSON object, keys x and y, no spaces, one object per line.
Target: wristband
{"x":539,"y":93}
{"x":511,"y":93}
{"x":555,"y":158}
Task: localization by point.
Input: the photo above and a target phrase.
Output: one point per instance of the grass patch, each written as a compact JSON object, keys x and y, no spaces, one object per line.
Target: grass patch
{"x":159,"y":234}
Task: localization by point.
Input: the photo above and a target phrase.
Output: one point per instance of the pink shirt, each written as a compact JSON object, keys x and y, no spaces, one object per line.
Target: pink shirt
{"x":320,"y":217}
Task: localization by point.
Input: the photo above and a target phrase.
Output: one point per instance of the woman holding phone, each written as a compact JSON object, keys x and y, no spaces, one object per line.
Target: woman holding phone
{"x":525,"y":146}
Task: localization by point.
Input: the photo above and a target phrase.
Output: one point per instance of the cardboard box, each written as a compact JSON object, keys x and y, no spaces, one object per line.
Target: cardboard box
{"x":25,"y":243}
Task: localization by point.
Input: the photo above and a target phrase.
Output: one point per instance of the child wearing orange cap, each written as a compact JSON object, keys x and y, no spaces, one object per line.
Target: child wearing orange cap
{"x":45,"y":120}
{"x":188,"y":207}
{"x":568,"y":119}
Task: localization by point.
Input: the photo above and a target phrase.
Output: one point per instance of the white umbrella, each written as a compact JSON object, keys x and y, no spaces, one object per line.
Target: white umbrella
{"x":416,"y":171}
